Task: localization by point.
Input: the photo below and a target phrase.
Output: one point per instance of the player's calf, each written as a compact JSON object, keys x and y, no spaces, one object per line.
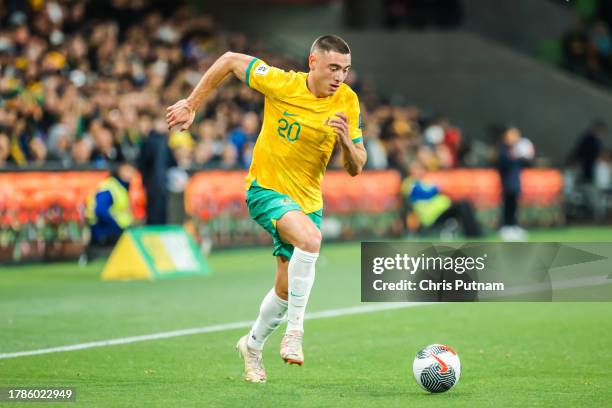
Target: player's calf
{"x":297,"y":229}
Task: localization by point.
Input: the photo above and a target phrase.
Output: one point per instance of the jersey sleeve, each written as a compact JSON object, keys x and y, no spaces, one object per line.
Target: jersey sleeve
{"x":354,"y":118}
{"x":268,"y":80}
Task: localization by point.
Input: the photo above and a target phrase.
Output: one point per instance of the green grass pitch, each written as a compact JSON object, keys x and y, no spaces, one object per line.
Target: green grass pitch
{"x":512,"y":354}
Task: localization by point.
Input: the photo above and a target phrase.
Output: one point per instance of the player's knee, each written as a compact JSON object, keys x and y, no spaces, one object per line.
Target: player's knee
{"x":311,"y":241}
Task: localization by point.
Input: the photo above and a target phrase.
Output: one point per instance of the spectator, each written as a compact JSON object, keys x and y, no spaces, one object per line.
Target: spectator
{"x":511,"y":158}
{"x":575,"y":47}
{"x":5,"y":149}
{"x":588,"y":149}
{"x":244,"y":135}
{"x":81,"y":152}
{"x":602,"y":176}
{"x":602,"y":44}
{"x":377,"y":155}
{"x":434,"y":209}
{"x":587,"y":46}
{"x":108,"y":212}
{"x":230,"y":158}
{"x":104,"y":152}
{"x":591,"y":159}
{"x":108,"y":209}
{"x":37,"y":151}
{"x":154,"y":161}
{"x":181,"y":144}
{"x":59,"y":141}
{"x":203,"y":154}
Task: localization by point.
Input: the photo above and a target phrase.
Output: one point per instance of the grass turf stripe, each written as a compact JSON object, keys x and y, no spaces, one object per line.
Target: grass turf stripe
{"x":206,"y":329}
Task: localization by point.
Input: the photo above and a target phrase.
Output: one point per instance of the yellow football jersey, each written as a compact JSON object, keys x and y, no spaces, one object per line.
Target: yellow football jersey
{"x":295,"y":142}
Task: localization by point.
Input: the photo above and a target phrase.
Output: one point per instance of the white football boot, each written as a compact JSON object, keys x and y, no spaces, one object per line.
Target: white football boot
{"x":291,"y":347}
{"x":254,"y":370}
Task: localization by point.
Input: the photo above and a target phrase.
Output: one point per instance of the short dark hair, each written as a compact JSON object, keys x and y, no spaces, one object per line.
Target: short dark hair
{"x":330,"y":42}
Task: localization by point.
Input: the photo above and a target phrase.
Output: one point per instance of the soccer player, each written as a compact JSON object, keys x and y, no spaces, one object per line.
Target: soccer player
{"x":305,"y":115}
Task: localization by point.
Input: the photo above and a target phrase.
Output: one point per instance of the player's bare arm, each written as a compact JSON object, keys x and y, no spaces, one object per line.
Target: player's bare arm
{"x":182,"y":113}
{"x":354,"y":155}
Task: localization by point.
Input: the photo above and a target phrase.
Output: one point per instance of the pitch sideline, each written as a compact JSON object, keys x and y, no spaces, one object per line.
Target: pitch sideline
{"x":569,"y":284}
{"x":208,"y":329}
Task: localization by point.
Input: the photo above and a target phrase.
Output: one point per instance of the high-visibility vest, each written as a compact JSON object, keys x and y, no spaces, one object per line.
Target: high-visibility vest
{"x":426,"y":210}
{"x":120,"y":210}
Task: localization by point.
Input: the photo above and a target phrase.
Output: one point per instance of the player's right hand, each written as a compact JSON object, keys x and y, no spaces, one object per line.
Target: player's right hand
{"x":180,"y":114}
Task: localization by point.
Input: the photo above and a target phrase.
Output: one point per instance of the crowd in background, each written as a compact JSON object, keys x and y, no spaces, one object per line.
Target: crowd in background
{"x":85,"y":84}
{"x":79,"y":90}
{"x":587,"y":51}
{"x":587,"y":46}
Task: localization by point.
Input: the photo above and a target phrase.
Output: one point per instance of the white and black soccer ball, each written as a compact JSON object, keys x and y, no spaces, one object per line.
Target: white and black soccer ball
{"x":437,"y":368}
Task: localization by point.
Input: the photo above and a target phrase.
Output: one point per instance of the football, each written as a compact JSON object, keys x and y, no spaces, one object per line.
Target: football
{"x":437,"y":368}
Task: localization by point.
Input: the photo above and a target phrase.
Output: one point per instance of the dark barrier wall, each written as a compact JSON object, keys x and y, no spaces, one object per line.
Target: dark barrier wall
{"x":521,"y":24}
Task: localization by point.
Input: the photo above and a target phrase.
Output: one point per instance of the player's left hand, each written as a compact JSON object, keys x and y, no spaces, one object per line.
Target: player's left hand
{"x":180,"y":114}
{"x":340,"y":125}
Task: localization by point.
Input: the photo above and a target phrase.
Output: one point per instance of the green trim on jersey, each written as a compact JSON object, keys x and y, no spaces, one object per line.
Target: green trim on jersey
{"x":248,"y":71}
{"x":359,"y":139}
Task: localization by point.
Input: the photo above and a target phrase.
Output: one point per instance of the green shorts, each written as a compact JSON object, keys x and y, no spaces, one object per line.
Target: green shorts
{"x":268,"y":206}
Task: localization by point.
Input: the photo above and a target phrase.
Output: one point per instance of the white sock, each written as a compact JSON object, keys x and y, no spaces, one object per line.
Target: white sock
{"x":271,"y":314}
{"x":301,"y":277}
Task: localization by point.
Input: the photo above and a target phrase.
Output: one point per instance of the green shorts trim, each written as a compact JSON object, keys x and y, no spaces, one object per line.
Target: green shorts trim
{"x":268,"y":206}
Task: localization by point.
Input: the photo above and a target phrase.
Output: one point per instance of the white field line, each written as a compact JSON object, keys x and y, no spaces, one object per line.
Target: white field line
{"x":377,"y":307}
{"x":207,"y":329}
